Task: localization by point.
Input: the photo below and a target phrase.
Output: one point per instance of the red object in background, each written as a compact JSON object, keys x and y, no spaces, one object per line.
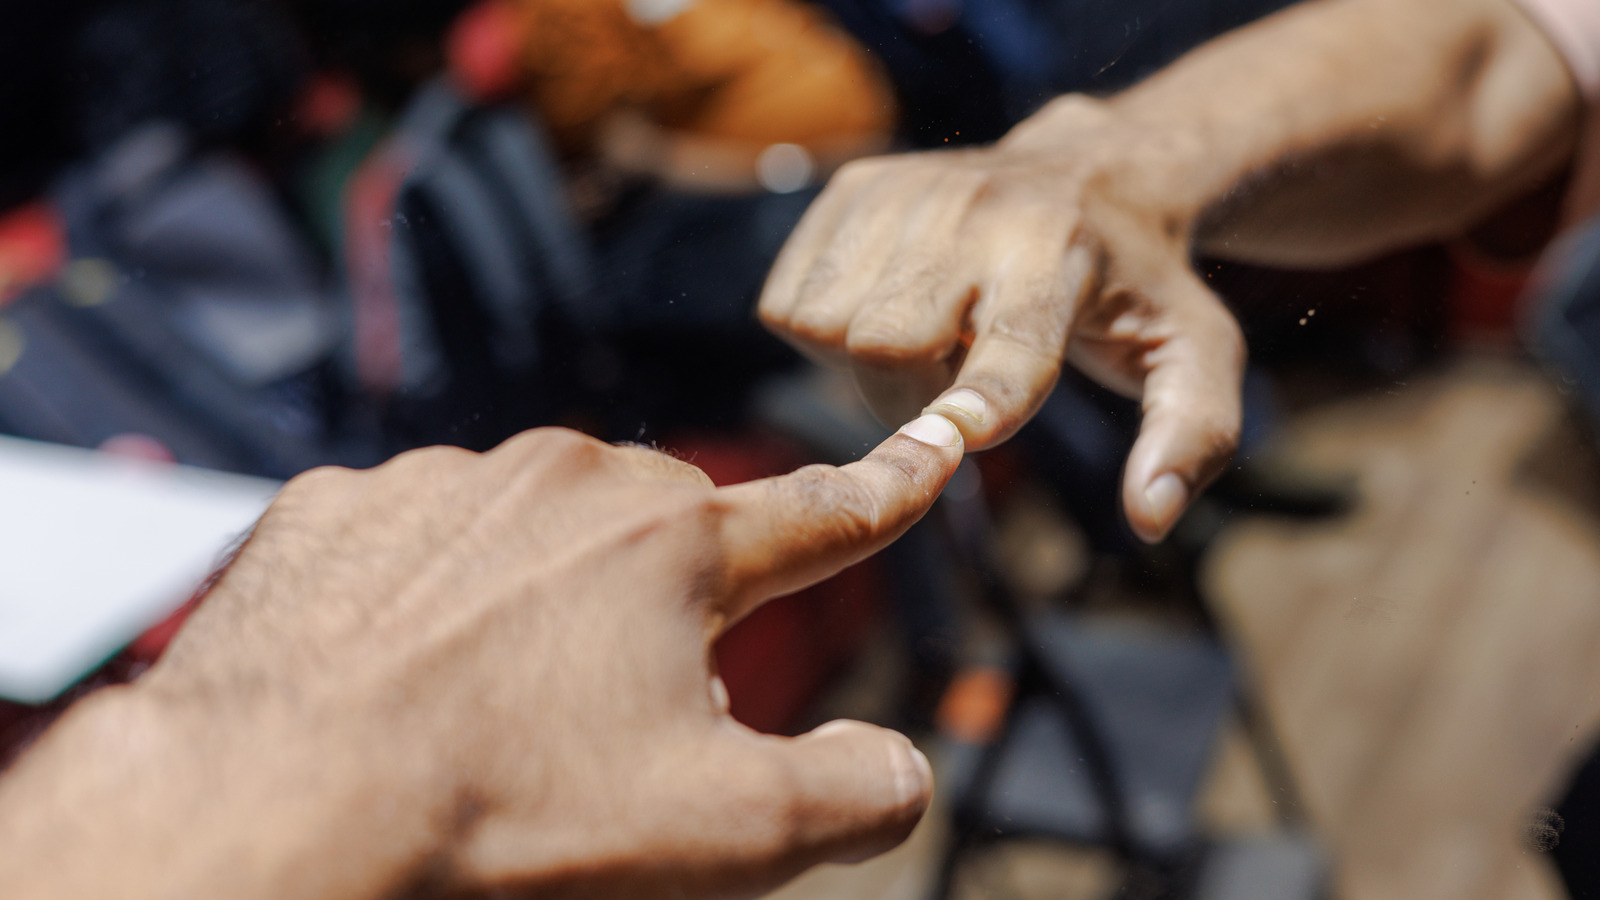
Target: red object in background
{"x":1001,"y":467}
{"x":21,"y":724}
{"x":371,"y":197}
{"x":148,"y":647}
{"x":1484,"y":293}
{"x":142,"y":447}
{"x":328,"y":105}
{"x":33,"y":247}
{"x":482,"y":50}
{"x":779,"y":659}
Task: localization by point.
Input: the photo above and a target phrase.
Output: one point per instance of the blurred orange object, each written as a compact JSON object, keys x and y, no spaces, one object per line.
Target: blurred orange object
{"x":33,"y":247}
{"x":974,"y":706}
{"x":751,"y":71}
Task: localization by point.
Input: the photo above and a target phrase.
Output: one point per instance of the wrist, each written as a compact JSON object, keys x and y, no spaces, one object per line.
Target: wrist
{"x":321,"y":811}
{"x":195,"y":798}
{"x":1160,"y":169}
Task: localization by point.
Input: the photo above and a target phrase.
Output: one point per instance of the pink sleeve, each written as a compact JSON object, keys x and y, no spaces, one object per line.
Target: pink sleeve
{"x":1574,"y":27}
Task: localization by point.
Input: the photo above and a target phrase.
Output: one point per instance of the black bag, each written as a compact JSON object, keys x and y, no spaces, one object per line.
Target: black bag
{"x":189,"y":313}
{"x":461,"y":255}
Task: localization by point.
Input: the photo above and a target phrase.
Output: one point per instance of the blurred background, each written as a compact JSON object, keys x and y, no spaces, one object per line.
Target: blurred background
{"x":263,"y":235}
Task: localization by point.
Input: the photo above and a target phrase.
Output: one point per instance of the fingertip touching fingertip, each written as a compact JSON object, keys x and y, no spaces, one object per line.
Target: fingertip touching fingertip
{"x":1164,"y":501}
{"x":964,"y":402}
{"x":934,"y":430}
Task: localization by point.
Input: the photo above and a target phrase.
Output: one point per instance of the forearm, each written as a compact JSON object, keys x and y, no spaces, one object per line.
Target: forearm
{"x":131,"y":796}
{"x":1340,"y":128}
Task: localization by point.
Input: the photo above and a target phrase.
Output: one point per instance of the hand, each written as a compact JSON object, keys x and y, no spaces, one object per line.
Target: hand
{"x":464,"y":673}
{"x":975,"y":273}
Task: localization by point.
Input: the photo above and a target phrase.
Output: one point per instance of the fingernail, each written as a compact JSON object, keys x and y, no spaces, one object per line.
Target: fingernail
{"x":913,"y":776}
{"x":1165,"y":498}
{"x":932,"y":429}
{"x":967,"y":402}
{"x":719,"y":694}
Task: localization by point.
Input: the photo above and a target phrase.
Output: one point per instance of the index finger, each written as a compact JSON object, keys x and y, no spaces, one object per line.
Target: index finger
{"x":786,"y":533}
{"x":1021,"y":326}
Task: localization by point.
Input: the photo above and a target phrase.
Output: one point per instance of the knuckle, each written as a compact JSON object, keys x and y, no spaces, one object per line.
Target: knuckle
{"x":410,"y":464}
{"x":1077,"y":105}
{"x":809,"y":483}
{"x":981,"y":188}
{"x":848,"y":509}
{"x":560,"y":443}
{"x":887,"y":345}
{"x":1219,"y":435}
{"x":818,"y":325}
{"x":683,"y":509}
{"x":662,"y":464}
{"x":883,"y":326}
{"x":317,"y":482}
{"x":770,"y":311}
{"x":1033,"y":332}
{"x":823,"y":271}
{"x":891,"y":343}
{"x":857,"y":171}
{"x":914,"y":276}
{"x":1068,"y":110}
{"x":436,"y":455}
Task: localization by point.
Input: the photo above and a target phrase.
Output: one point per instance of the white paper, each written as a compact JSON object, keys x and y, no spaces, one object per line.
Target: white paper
{"x":94,"y":549}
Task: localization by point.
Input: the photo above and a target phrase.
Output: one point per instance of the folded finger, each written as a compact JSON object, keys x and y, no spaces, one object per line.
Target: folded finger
{"x":838,"y":249}
{"x":917,"y":309}
{"x":797,"y":261}
{"x":851,"y":791}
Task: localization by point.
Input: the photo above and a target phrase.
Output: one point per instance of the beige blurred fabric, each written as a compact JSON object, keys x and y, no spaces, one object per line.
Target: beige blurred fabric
{"x":1574,"y":27}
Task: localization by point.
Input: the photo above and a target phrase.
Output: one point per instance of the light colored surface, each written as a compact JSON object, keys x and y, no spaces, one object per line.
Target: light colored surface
{"x":96,"y":549}
{"x":1431,"y":661}
{"x":1574,"y":27}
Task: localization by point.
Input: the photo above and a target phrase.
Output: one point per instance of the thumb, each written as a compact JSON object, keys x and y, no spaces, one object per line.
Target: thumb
{"x":867,"y":788}
{"x":735,"y":816}
{"x":1191,"y":409}
{"x":851,"y":792}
